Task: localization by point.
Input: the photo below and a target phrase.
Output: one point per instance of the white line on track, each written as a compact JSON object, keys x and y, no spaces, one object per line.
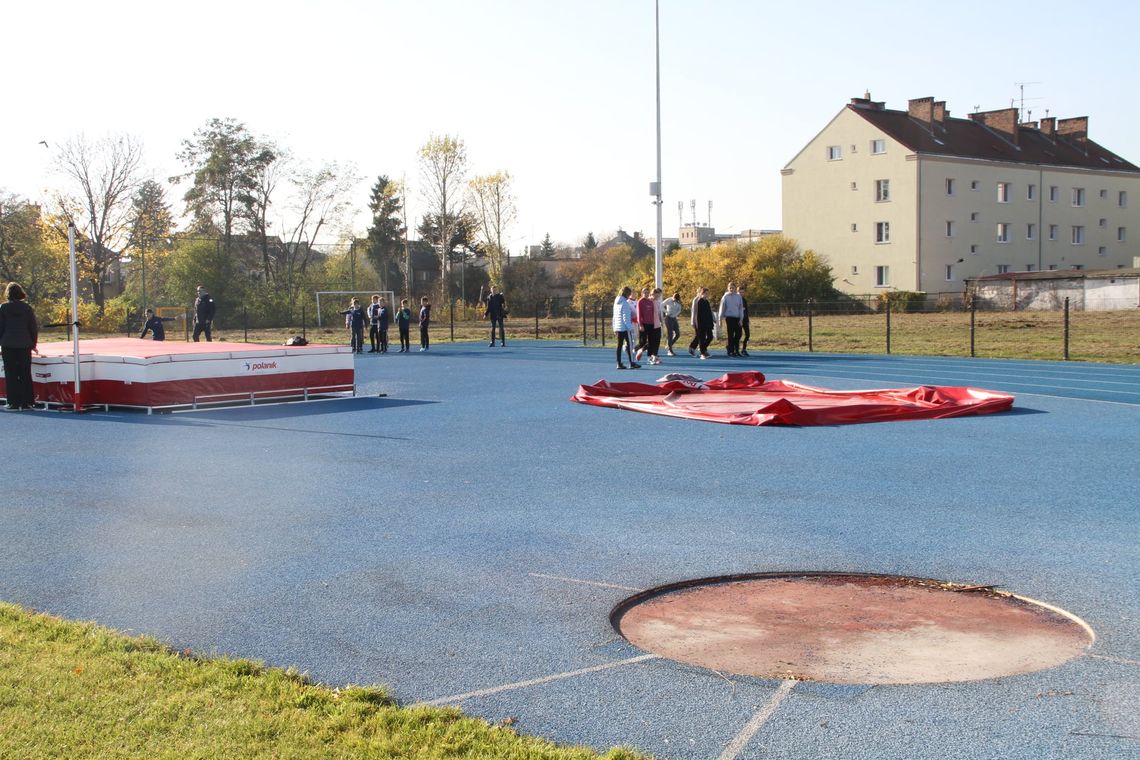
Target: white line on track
{"x":583,"y":582}
{"x":737,"y":745}
{"x":537,"y":681}
{"x":1078,"y":398}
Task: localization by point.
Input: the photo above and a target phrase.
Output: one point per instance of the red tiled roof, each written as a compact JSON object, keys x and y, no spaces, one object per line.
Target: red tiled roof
{"x":970,"y":139}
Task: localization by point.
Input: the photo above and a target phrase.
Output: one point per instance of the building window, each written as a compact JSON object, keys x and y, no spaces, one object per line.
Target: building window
{"x":1003,"y":232}
{"x":1052,"y":267}
{"x":1003,"y":192}
{"x":882,"y":190}
{"x":1121,"y":234}
{"x":973,"y":184}
{"x":855,"y":269}
{"x":1122,"y":199}
{"x":854,"y":185}
{"x":1078,"y":234}
{"x":854,"y":227}
{"x":973,"y":216}
{"x":974,"y":248}
{"x":1101,"y":251}
{"x":1103,"y":193}
{"x":949,"y":272}
{"x":882,"y":232}
{"x":949,"y":229}
{"x":1052,"y":232}
{"x":1078,"y":196}
{"x":882,"y":277}
{"x":1003,"y":268}
{"x":1031,"y":232}
{"x":1054,"y":192}
{"x":1103,"y":223}
{"x":1077,"y":267}
{"x":878,"y":147}
{"x":834,"y":153}
{"x":1028,"y":267}
{"x":1030,"y":192}
{"x":949,"y":187}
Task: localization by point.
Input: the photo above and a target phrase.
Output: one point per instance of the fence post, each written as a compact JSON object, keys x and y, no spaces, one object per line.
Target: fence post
{"x":536,"y":320}
{"x":451,"y":309}
{"x":584,"y":323}
{"x":245,"y":322}
{"x":973,"y":316}
{"x":599,"y":308}
{"x":888,"y":324}
{"x":810,"y":304}
{"x":303,"y":337}
{"x":1066,"y":328}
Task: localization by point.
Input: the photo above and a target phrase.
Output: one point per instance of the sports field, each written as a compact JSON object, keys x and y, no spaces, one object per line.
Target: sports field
{"x":463,"y":538}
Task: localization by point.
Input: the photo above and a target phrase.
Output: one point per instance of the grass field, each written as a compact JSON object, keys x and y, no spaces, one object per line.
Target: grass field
{"x":77,"y":690}
{"x":1095,"y":336}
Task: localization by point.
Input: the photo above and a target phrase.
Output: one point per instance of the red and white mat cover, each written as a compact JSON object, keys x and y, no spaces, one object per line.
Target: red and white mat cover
{"x":748,"y":398}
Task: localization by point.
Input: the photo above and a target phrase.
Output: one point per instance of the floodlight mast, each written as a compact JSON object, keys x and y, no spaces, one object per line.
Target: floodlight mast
{"x":659,"y":264}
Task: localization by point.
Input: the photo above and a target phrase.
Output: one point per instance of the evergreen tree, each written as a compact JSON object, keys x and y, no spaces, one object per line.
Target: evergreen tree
{"x":386,"y":235}
{"x":547,"y":251}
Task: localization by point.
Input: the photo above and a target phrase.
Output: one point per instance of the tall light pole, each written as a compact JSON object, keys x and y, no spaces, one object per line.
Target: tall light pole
{"x":655,"y":188}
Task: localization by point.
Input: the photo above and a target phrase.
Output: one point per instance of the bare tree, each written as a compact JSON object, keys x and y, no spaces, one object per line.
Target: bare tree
{"x":321,"y":200}
{"x":267,"y":176}
{"x":443,"y":166}
{"x":103,"y":175}
{"x":495,"y":209}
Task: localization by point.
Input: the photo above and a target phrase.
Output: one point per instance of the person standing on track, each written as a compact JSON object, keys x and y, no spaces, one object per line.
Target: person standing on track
{"x":731,"y":311}
{"x":425,"y":323}
{"x":623,"y":327}
{"x":702,"y":320}
{"x":404,"y":325}
{"x":204,"y":310}
{"x":745,"y":329}
{"x":19,"y":335}
{"x":497,"y":313}
{"x":671,"y":310}
{"x":355,"y":317}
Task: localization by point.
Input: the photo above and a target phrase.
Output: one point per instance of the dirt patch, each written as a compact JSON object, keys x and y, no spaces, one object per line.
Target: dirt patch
{"x":851,"y":629}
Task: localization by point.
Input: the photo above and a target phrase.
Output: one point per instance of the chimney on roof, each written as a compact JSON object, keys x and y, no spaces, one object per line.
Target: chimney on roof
{"x":921,"y":109}
{"x":1076,"y":130}
{"x":1003,"y":121}
{"x":940,"y":112}
{"x":1049,"y":127}
{"x":867,"y":103}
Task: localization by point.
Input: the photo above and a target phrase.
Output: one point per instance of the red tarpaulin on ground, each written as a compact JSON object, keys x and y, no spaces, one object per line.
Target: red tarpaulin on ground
{"x":747,"y":398}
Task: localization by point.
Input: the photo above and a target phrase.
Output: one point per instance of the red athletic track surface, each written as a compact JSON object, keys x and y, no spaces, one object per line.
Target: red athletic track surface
{"x":747,"y":398}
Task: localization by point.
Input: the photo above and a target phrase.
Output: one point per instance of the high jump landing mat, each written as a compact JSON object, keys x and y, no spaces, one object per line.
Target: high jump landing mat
{"x":132,"y":372}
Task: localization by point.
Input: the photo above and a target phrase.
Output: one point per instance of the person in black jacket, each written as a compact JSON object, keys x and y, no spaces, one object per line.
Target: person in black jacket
{"x":154,"y":326}
{"x":497,"y":312}
{"x":19,"y":335}
{"x":703,"y":322}
{"x":203,"y":314}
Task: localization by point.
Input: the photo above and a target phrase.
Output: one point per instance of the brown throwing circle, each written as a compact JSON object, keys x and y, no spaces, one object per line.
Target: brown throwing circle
{"x":850,"y":628}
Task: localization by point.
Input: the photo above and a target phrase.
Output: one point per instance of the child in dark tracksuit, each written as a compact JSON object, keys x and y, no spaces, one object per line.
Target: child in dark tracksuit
{"x":404,"y":324}
{"x":355,"y":317}
{"x":425,"y":321}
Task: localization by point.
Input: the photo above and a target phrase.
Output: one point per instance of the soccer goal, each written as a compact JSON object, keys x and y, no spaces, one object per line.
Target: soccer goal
{"x":330,"y":303}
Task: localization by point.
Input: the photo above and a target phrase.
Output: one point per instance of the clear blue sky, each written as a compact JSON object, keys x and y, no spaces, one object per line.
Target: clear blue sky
{"x":561,"y":94}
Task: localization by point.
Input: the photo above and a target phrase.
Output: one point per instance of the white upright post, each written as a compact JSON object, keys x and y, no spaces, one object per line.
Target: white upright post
{"x":76,"y":401}
{"x":659,"y":261}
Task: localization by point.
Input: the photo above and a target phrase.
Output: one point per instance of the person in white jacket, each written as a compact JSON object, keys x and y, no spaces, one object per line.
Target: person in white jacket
{"x":671,"y":309}
{"x":732,"y":312}
{"x":623,"y":327}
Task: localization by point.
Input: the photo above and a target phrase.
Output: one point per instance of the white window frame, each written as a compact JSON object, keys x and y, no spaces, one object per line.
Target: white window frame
{"x":1121,"y":234}
{"x":1031,"y":192}
{"x":878,"y":147}
{"x":1003,"y":232}
{"x":949,"y":185}
{"x":1054,"y":193}
{"x":1052,"y":232}
{"x":1030,"y":231}
{"x":973,"y":216}
{"x":1122,"y":199}
{"x":882,"y":190}
{"x":973,"y":249}
{"x":834,"y":152}
{"x":1102,"y":223}
{"x":949,"y":272}
{"x":882,"y":276}
{"x":1003,"y":268}
{"x":949,"y":228}
{"x":1003,"y":189}
{"x":1101,"y":251}
{"x":1078,"y":197}
{"x":973,"y":184}
{"x":1078,"y":234}
{"x":882,"y":233}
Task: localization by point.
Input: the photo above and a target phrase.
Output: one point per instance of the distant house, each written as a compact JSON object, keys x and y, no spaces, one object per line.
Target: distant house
{"x":1098,"y":290}
{"x":635,"y":241}
{"x":917,"y":200}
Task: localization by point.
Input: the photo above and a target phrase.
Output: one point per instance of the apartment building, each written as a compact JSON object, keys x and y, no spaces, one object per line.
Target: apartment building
{"x":918,"y":200}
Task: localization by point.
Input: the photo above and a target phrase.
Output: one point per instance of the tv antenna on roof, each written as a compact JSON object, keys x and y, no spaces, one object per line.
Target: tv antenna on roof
{"x":1021,"y":88}
{"x":680,"y":213}
{"x":693,"y":208}
{"x":710,"y":214}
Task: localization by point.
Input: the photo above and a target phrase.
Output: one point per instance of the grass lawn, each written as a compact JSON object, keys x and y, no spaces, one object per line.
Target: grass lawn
{"x":1095,"y":336}
{"x":79,"y":690}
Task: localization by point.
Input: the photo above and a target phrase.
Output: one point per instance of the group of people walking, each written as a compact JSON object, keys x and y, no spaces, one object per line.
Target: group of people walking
{"x":645,"y":318}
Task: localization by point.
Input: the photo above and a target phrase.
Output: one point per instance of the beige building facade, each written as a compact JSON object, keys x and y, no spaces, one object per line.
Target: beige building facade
{"x":917,"y":200}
